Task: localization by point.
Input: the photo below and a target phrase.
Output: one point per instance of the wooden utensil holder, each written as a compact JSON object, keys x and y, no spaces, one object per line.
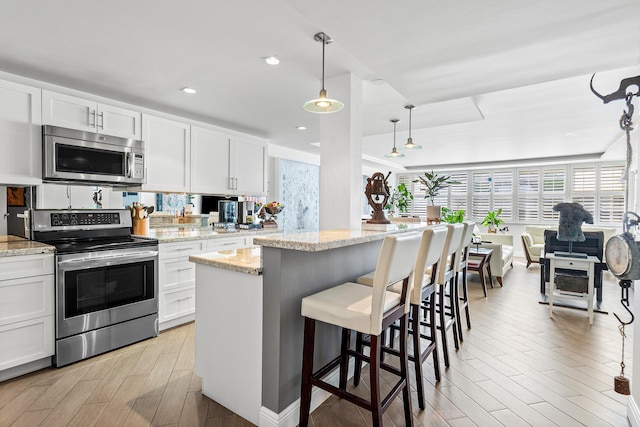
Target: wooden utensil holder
{"x":141,"y":226}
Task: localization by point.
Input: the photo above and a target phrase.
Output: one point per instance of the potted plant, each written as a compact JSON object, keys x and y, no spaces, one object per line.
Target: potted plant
{"x":399,"y":199}
{"x":452,"y":217}
{"x":492,"y":221}
{"x":434,"y":183}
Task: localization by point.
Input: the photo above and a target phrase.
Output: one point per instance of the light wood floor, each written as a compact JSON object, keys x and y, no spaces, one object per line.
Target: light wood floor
{"x":515,"y":367}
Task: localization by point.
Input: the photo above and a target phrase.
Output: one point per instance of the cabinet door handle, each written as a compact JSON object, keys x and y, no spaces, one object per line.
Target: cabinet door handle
{"x":101,"y":125}
{"x":92,"y":113}
{"x":184,"y":269}
{"x":183,"y":299}
{"x":235,"y":187}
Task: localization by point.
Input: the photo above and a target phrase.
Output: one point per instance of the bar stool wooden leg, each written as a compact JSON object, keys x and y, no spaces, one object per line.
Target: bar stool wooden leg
{"x":465,"y":296}
{"x":374,"y":379}
{"x":404,"y":368}
{"x":442,"y":318}
{"x":344,"y":358}
{"x":417,"y":356}
{"x":457,"y":306}
{"x":307,"y":370}
{"x":358,"y":366}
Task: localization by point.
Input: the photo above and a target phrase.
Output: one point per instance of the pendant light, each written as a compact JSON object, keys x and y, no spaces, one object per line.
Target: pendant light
{"x":410,"y":145}
{"x":322,"y":104}
{"x":394,"y":152}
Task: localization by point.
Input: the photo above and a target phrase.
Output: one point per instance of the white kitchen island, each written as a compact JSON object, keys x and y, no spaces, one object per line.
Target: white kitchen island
{"x":249,"y":330}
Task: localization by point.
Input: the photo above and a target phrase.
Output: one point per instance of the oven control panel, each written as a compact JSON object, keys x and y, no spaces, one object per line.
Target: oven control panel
{"x":84,"y":218}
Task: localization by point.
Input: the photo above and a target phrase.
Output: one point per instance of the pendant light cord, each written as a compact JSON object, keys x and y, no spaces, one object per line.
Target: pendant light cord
{"x":410,"y":122}
{"x":394,"y":134}
{"x":323,"y":43}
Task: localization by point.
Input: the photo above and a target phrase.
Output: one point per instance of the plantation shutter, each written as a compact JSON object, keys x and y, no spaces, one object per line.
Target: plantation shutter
{"x":528,"y":194}
{"x":418,"y":206}
{"x":553,"y":192}
{"x":481,"y":203}
{"x":503,"y":194}
{"x":583,"y":187}
{"x":458,"y":193}
{"x":611,"y":202}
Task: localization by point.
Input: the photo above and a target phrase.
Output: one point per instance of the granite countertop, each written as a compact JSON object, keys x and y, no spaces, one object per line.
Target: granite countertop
{"x":15,"y":246}
{"x":168,"y":235}
{"x":329,"y":239}
{"x":246,"y":260}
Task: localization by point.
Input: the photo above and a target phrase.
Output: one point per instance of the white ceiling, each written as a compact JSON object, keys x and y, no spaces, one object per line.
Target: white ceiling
{"x":493,"y":81}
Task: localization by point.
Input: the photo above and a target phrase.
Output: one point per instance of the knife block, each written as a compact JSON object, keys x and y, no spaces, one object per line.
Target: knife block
{"x":141,"y":226}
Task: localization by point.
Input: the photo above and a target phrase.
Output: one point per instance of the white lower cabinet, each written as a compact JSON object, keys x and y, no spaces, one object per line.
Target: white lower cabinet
{"x":177,"y":303}
{"x":177,"y":276}
{"x":27,"y":310}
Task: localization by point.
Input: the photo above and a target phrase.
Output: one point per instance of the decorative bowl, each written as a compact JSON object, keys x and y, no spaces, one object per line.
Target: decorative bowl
{"x":273,"y":210}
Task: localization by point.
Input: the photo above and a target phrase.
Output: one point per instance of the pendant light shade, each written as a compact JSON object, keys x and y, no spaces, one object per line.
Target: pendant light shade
{"x":410,"y":145}
{"x":322,"y":104}
{"x":394,"y":152}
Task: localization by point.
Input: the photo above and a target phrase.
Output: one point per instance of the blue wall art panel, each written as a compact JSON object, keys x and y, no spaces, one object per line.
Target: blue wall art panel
{"x":299,"y":192}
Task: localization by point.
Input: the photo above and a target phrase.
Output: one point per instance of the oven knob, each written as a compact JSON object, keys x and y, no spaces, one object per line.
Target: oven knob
{"x":74,"y":222}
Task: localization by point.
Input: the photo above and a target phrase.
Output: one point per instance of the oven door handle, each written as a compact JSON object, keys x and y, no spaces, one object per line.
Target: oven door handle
{"x":107,"y":260}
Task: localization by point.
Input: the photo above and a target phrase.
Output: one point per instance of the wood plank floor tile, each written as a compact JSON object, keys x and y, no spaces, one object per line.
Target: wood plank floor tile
{"x":88,"y":415}
{"x":159,"y":375}
{"x":64,"y":412}
{"x":142,"y":411}
{"x":21,"y":403}
{"x":194,"y":412}
{"x":173,"y":399}
{"x":508,"y":418}
{"x":31,"y":418}
{"x":58,"y":390}
{"x":123,"y":400}
{"x":553,"y":413}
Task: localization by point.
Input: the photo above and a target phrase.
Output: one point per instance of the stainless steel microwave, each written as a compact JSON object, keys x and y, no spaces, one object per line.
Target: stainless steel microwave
{"x":70,"y":155}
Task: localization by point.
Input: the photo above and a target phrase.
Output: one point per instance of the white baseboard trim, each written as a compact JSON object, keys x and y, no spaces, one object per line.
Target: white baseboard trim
{"x":291,"y":415}
{"x":17,"y":371}
{"x":633,"y":412}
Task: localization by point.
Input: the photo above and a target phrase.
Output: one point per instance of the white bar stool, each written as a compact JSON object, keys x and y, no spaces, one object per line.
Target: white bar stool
{"x":431,"y":246}
{"x":369,"y":310}
{"x":446,"y":304}
{"x":461,"y":270}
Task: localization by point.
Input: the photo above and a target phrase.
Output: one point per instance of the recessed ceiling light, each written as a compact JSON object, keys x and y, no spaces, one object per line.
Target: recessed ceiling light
{"x":188,"y":90}
{"x":301,"y":127}
{"x":271,"y":60}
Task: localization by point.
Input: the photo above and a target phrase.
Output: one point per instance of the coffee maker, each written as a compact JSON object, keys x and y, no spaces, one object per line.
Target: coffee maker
{"x":246,"y":212}
{"x":228,"y":211}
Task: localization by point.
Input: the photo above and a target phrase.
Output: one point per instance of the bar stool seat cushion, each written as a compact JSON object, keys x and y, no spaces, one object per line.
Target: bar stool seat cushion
{"x":347,"y":305}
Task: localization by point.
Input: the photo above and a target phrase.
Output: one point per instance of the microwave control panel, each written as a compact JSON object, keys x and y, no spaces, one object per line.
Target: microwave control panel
{"x":138,"y":166}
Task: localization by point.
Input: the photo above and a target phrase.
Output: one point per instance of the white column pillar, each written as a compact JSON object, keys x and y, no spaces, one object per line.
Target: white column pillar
{"x":341,"y":156}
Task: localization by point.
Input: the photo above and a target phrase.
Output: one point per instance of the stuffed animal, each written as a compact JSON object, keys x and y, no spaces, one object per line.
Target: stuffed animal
{"x":572,"y":215}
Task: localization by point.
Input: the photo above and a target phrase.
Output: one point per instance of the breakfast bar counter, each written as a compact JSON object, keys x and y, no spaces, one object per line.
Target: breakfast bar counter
{"x":249,"y":330}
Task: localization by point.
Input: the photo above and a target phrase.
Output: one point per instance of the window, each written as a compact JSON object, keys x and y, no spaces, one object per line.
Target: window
{"x":528,"y":194}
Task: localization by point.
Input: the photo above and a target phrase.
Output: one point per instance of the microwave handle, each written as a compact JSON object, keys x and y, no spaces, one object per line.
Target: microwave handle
{"x":127,"y":164}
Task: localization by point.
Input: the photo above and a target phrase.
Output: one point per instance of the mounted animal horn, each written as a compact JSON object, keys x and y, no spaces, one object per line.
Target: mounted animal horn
{"x":621,"y":93}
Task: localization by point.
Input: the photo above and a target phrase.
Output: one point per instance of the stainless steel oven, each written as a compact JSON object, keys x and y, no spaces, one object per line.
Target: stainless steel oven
{"x":106,"y":281}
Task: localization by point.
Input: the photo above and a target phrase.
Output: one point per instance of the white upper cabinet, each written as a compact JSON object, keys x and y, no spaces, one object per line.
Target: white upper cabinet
{"x":82,"y":114}
{"x":223,"y":164}
{"x":248,"y":165}
{"x":168,"y":152}
{"x":209,"y":162}
{"x":20,"y":135}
